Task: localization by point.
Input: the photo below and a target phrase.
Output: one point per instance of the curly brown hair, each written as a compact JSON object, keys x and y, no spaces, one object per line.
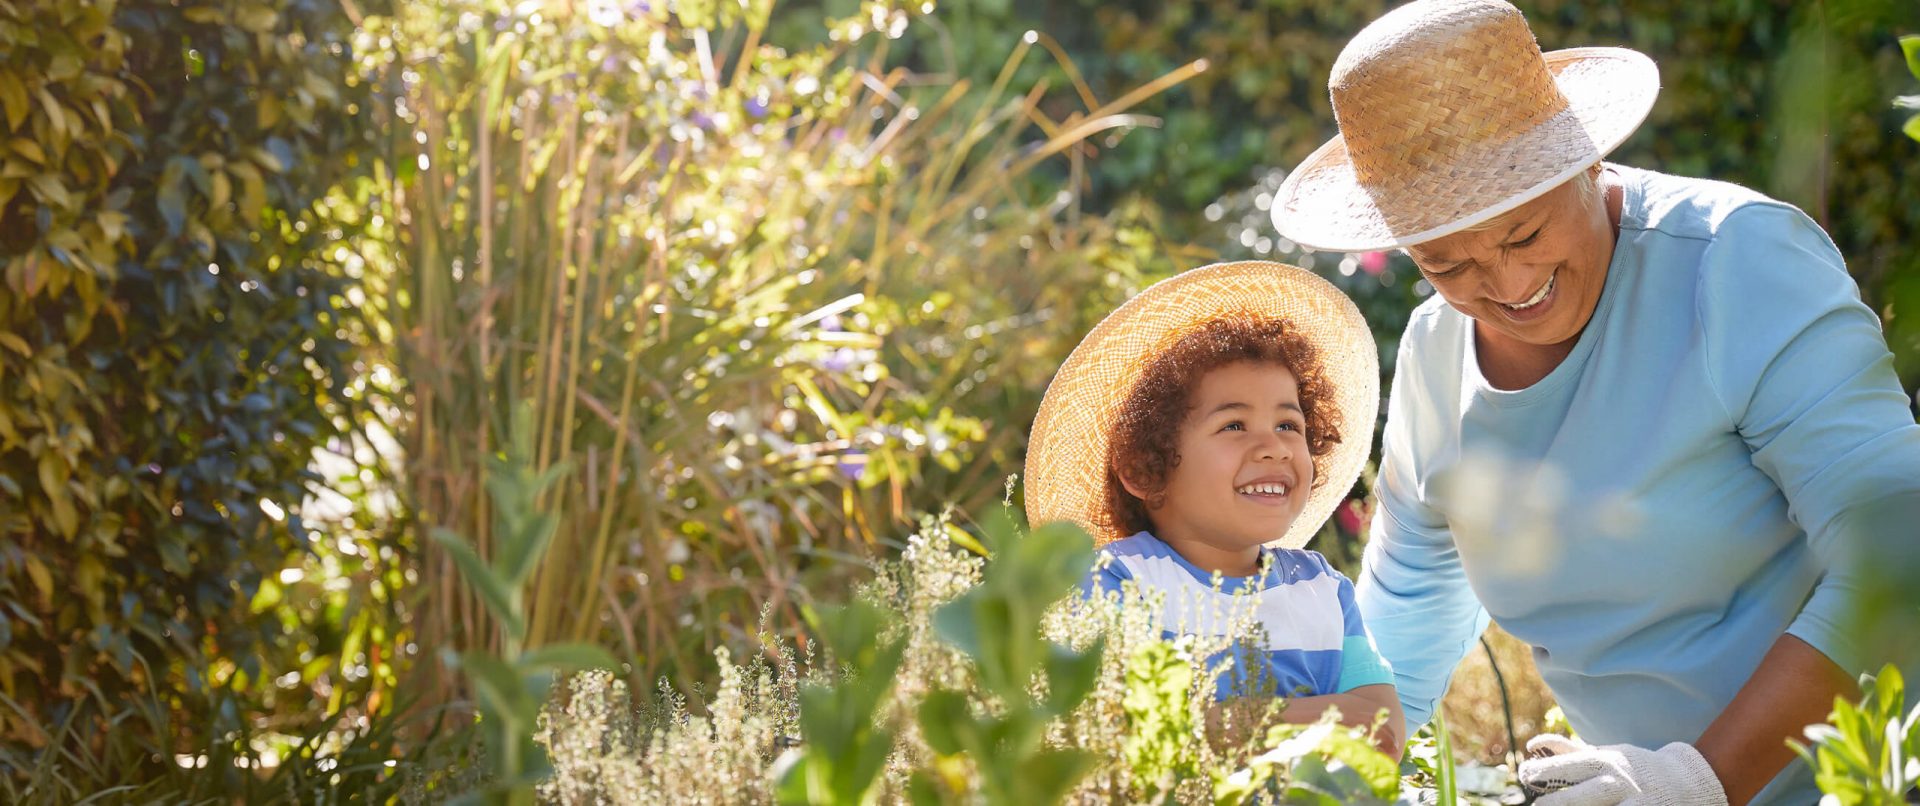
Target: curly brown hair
{"x":1146,"y":430}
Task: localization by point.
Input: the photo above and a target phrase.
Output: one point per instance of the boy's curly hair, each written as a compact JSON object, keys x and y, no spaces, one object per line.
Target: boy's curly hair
{"x":1146,"y":430}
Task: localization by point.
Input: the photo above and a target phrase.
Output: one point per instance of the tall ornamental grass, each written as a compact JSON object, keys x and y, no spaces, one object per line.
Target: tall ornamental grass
{"x":767,"y":305}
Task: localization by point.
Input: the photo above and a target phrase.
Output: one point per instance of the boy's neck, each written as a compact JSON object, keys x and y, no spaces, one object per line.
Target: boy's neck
{"x":1230,"y":562}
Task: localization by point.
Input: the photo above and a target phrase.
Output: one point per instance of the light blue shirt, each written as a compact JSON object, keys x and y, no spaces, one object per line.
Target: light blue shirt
{"x":1657,"y":511}
{"x":1313,"y":641}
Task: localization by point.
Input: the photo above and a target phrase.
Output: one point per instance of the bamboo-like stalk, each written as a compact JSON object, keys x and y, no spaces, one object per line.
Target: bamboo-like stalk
{"x":596,"y":296}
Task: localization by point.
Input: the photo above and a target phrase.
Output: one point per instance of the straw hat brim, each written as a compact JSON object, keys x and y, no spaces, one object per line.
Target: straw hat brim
{"x":1066,"y":467}
{"x":1323,"y":205}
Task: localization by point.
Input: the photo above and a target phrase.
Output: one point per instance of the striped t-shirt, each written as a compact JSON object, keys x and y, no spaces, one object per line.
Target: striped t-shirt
{"x":1314,"y":642}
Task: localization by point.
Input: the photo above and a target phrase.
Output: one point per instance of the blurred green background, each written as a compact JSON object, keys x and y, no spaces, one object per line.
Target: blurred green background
{"x":774,"y":280}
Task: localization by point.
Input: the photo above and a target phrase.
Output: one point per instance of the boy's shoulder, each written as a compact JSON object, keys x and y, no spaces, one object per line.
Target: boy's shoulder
{"x":1301,"y":565}
{"x":1127,"y":557}
{"x":1139,"y":544}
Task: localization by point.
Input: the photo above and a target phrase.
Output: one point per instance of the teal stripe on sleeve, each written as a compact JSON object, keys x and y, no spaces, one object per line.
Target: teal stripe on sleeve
{"x":1361,"y":664}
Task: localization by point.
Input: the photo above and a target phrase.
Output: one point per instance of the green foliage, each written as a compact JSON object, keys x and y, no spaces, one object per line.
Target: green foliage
{"x":1910,"y":45}
{"x":174,"y":349}
{"x":997,"y":624}
{"x":1323,"y":763}
{"x":737,"y":283}
{"x":1430,"y":760}
{"x":1867,"y":753}
{"x":1160,"y":718}
{"x":845,"y":748}
{"x":512,"y":685}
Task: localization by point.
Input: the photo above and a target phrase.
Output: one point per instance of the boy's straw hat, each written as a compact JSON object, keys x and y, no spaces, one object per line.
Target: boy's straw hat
{"x":1067,"y":454}
{"x":1449,"y":116}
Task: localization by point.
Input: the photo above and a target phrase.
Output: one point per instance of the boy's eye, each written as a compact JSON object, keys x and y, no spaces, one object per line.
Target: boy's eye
{"x":1235,"y":426}
{"x":1289,"y":426}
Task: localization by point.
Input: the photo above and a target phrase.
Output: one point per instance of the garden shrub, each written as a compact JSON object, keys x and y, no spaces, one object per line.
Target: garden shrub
{"x":951,"y":679}
{"x":770,"y":304}
{"x":173,"y":350}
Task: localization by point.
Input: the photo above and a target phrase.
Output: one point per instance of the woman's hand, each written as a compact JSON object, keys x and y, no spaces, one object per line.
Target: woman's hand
{"x":1574,"y":773}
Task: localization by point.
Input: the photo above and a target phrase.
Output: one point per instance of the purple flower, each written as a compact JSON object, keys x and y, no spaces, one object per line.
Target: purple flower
{"x":756,"y":108}
{"x":853,"y":465}
{"x":702,"y":119}
{"x":638,"y":7}
{"x":831,"y":324}
{"x":839,"y":360}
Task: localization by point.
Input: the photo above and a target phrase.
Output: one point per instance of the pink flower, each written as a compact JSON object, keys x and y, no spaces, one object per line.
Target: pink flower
{"x":1352,"y":515}
{"x":1373,"y":262}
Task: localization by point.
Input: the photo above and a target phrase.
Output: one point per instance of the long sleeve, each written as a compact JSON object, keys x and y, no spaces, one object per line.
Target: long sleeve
{"x":1803,"y":371}
{"x":1412,"y":592}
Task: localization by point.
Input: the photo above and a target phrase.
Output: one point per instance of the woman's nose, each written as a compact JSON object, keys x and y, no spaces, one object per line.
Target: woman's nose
{"x":1512,"y":282}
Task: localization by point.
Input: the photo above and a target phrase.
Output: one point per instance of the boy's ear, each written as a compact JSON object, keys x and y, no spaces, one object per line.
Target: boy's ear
{"x":1132,"y":487}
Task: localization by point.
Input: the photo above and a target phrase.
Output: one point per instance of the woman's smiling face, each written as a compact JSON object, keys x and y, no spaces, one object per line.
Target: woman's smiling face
{"x":1535,"y":275}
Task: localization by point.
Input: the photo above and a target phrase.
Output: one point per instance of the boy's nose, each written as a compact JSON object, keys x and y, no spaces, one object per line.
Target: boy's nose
{"x":1272,"y":447}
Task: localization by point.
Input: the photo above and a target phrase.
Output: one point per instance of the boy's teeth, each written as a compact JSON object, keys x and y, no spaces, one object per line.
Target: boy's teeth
{"x":1269,"y":489}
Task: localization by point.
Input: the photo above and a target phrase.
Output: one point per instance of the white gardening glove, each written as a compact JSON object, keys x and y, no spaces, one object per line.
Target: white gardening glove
{"x":1574,"y":773}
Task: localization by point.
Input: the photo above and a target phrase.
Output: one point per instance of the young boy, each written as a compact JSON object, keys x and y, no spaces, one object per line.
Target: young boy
{"x":1208,"y":427}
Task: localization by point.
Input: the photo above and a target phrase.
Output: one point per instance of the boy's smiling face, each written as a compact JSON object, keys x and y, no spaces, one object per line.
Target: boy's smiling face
{"x":1244,"y":469}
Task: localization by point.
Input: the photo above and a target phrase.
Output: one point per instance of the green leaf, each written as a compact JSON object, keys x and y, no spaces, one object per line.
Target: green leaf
{"x":1071,"y":676}
{"x":13,"y":95}
{"x":1372,"y":767}
{"x":499,"y":689}
{"x":1910,"y":45}
{"x":1049,"y":774}
{"x":498,"y":598}
{"x":256,"y":18}
{"x":1912,"y":128}
{"x":568,"y":657}
{"x":171,"y":197}
{"x":946,"y":722}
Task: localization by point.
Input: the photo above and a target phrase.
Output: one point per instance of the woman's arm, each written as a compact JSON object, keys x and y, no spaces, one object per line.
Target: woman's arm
{"x":1793,"y":688}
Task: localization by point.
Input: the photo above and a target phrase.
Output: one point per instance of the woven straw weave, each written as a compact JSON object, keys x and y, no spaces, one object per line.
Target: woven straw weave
{"x":1067,"y":453}
{"x":1450,"y":115}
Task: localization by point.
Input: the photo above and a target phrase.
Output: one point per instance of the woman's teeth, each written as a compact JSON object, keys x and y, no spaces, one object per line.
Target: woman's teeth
{"x":1538,"y":295}
{"x":1264,"y":489}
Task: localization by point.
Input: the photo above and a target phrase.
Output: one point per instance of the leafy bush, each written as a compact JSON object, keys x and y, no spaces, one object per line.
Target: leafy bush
{"x":512,"y":684}
{"x":1869,"y":753}
{"x":172,"y":354}
{"x":953,"y":680}
{"x":742,"y":286}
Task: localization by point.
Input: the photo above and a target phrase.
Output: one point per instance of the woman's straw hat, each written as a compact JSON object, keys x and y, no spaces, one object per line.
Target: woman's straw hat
{"x":1449,"y":116}
{"x":1067,"y":454}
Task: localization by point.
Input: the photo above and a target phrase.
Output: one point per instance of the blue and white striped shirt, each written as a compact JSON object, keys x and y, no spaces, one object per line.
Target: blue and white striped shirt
{"x":1314,"y":642}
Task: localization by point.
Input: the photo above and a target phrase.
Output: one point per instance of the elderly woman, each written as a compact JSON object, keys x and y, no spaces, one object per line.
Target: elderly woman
{"x":1638,"y":425}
